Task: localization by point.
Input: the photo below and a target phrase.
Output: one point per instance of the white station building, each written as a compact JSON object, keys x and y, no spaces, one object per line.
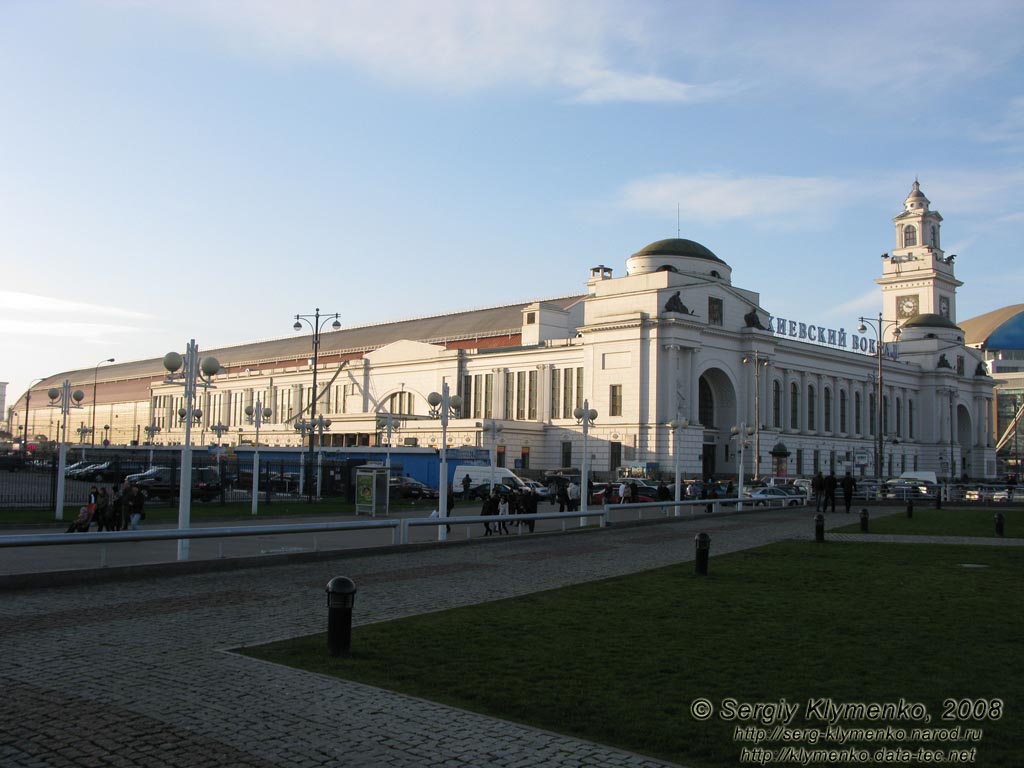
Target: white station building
{"x":672,"y":356}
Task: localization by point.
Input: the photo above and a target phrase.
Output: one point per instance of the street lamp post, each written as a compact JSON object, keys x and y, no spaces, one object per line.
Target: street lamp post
{"x":95,"y":377}
{"x":677,"y":426}
{"x":879,"y":327}
{"x":759,"y":364}
{"x":194,"y":373}
{"x":64,"y":399}
{"x":255,"y":416}
{"x":386,"y":422}
{"x":492,"y":427}
{"x":317,"y":325}
{"x":151,"y":430}
{"x":443,"y":405}
{"x":740,"y":433}
{"x":28,"y":399}
{"x":585,"y":416}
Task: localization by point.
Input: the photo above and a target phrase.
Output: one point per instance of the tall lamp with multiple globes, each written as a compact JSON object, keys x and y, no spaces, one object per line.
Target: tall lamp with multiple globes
{"x":677,"y":425}
{"x":878,"y":327}
{"x":316,"y":324}
{"x":386,"y":422}
{"x":443,"y":405}
{"x":194,"y":373}
{"x":255,"y":416}
{"x":95,"y":378}
{"x":64,"y":399}
{"x":585,"y":417}
{"x":740,"y":433}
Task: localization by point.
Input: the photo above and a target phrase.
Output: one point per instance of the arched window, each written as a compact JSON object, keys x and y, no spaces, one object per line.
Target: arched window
{"x":706,"y":404}
{"x":777,"y":404}
{"x":872,"y":410}
{"x":910,"y":418}
{"x":828,"y":409}
{"x":811,"y":403}
{"x":842,"y":411}
{"x":856,"y":414}
{"x":909,"y":236}
{"x":899,"y":417}
{"x":935,"y":236}
{"x":885,"y":415}
{"x":794,"y":406}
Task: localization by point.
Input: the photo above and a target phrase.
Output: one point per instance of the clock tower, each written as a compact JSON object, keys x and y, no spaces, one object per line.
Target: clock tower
{"x":917,"y":277}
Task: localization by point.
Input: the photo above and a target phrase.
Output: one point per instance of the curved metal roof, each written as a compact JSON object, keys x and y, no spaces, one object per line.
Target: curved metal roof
{"x":929,"y":320}
{"x":678,"y":247}
{"x":999,"y":329}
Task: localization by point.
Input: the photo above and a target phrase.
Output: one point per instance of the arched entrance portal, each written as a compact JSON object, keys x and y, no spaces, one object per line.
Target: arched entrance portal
{"x":716,"y":411}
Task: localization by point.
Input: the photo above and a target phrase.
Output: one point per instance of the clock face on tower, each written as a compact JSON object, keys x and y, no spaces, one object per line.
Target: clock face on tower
{"x":944,"y":307}
{"x":906,"y":306}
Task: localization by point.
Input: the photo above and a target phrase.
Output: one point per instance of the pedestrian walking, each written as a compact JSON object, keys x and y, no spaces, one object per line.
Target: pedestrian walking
{"x":503,"y":515}
{"x":818,"y":488}
{"x":830,"y":492}
{"x":135,"y":503}
{"x":848,"y":484}
{"x":104,"y":522}
{"x":574,"y":497}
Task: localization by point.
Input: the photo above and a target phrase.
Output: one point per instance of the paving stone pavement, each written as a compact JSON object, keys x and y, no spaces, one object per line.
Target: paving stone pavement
{"x":140,"y":673}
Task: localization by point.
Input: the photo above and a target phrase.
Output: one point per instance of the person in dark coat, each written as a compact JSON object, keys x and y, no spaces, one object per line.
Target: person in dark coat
{"x":530,"y":507}
{"x":848,"y":484}
{"x":830,"y":492}
{"x":490,"y":507}
{"x":818,"y":488}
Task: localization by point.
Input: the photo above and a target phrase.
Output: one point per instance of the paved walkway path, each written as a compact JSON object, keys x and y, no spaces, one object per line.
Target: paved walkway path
{"x":140,"y":673}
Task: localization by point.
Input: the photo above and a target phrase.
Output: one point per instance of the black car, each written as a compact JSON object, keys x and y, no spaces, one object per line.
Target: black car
{"x":162,"y":483}
{"x":483,"y":490}
{"x":410,"y":488}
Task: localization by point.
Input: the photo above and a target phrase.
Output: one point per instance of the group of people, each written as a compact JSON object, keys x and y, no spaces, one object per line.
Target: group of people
{"x":507,"y":505}
{"x":824,"y":489}
{"x":120,"y":509}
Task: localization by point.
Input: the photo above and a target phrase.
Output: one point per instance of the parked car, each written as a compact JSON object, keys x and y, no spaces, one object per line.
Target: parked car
{"x":83,"y":471}
{"x":643,"y":494}
{"x":113,"y":471}
{"x":542,"y":491}
{"x":483,"y":490}
{"x":774,"y":497}
{"x":410,"y":488}
{"x":163,"y":483}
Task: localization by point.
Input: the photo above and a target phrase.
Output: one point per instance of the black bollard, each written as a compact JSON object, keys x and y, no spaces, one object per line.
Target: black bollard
{"x":938,"y":497}
{"x":819,"y":527}
{"x":863,"y":521}
{"x":703,"y":544}
{"x":1000,"y":523}
{"x":341,"y":596}
{"x":910,"y":507}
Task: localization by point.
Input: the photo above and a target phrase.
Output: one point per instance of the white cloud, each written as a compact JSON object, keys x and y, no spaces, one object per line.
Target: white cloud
{"x":717,"y":197}
{"x":48,"y":305}
{"x":596,"y":49}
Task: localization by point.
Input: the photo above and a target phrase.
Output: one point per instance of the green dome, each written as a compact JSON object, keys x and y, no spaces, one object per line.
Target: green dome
{"x":929,"y":320}
{"x":678,"y":247}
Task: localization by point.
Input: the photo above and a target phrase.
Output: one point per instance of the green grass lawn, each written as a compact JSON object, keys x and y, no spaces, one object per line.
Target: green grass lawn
{"x":945,"y":522}
{"x":620,"y":661}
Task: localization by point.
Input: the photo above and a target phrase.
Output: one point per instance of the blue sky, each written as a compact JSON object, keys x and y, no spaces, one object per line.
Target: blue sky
{"x":189,"y":169}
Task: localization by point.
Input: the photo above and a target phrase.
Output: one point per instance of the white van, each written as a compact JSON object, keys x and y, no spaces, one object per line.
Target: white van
{"x":479,"y":475}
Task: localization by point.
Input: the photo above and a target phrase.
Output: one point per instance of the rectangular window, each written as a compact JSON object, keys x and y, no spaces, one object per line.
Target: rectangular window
{"x":615,"y":400}
{"x":567,"y":401}
{"x":856,"y":414}
{"x":478,"y":396}
{"x":532,"y":396}
{"x":816,"y":458}
{"x":521,"y":395}
{"x":566,"y":453}
{"x":489,"y":396}
{"x":524,"y":458}
{"x":510,"y":395}
{"x":799,"y":461}
{"x":556,"y":400}
{"x":579,"y":388}
{"x":615,"y":456}
{"x":715,"y":311}
{"x":499,"y":459}
{"x":465,"y":391}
